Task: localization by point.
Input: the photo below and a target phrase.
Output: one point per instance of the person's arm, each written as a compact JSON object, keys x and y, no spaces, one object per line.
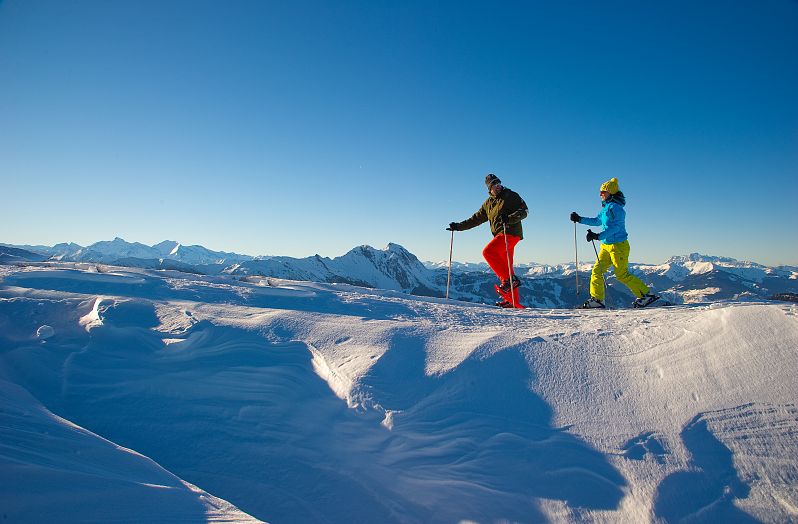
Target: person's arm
{"x":519,"y":214}
{"x":480,"y":217}
{"x":588,"y":221}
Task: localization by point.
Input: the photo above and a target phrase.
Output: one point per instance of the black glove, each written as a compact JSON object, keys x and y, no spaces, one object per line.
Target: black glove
{"x":591,"y":236}
{"x":575,"y":217}
{"x":503,"y":220}
{"x":453,"y":226}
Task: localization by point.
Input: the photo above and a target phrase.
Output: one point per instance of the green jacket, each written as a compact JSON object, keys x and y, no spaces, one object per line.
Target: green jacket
{"x":509,"y":203}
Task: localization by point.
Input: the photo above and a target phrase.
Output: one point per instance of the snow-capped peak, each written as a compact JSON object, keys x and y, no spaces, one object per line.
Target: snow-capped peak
{"x":167,"y":247}
{"x":699,"y":258}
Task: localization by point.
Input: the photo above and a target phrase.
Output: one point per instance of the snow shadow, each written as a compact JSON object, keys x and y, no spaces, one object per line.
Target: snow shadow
{"x":647,"y":443}
{"x":130,"y":313}
{"x":707,"y":493}
{"x":477,"y":444}
{"x":52,"y":471}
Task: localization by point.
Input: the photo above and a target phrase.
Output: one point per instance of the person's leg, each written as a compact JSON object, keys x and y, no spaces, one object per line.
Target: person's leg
{"x":597,"y":277}
{"x":512,"y":241}
{"x":620,"y":260}
{"x":495,"y":254}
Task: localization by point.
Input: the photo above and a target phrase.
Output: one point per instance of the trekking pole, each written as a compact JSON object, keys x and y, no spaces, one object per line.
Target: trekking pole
{"x":603,"y":278}
{"x":576,"y":260}
{"x":449,"y":277}
{"x":509,"y":266}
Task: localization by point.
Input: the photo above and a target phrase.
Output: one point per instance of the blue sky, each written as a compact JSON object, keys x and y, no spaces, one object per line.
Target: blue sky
{"x":296,"y":128}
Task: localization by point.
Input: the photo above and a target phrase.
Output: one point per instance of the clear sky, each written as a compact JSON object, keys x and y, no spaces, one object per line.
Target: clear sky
{"x":295,"y":128}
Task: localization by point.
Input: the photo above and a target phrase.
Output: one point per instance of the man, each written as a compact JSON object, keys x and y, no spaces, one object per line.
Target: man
{"x":504,"y":210}
{"x":614,"y":248}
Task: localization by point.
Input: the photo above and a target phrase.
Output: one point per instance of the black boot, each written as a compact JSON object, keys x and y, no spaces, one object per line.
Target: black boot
{"x":593,"y":303}
{"x":505,"y":285}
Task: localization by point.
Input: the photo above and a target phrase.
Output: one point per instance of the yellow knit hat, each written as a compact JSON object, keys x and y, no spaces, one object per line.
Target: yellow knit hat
{"x":610,"y":185}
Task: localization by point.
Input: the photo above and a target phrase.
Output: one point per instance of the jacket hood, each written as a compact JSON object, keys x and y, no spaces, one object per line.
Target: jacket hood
{"x":617,"y":198}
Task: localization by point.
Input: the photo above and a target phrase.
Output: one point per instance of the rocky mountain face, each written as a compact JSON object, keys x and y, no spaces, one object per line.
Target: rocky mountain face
{"x":391,"y":268}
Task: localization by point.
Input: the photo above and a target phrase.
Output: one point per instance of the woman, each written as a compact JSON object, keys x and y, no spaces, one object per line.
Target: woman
{"x":614,"y":248}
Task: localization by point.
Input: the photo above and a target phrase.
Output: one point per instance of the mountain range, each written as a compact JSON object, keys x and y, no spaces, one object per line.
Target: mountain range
{"x":682,"y":279}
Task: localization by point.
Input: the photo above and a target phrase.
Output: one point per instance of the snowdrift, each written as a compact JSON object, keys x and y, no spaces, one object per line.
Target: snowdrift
{"x":212,"y":399}
{"x":55,"y":471}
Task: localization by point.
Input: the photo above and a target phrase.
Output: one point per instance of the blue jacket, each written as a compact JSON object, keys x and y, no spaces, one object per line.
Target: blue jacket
{"x":612,"y":218}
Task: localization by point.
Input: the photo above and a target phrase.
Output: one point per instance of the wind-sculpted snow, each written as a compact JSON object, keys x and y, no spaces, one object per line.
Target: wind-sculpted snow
{"x":307,"y":402}
{"x":54,"y":471}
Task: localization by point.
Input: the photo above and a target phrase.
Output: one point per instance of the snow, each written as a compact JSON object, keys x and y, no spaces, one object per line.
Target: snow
{"x":390,"y":268}
{"x":682,"y":278}
{"x":56,"y":471}
{"x":221,"y":398}
{"x":699,"y":295}
{"x":459,"y":266}
{"x":675,"y":272}
{"x":45,"y":332}
{"x":119,"y":249}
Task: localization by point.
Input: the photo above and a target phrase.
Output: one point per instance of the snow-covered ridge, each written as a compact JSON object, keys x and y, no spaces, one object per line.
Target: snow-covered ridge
{"x":677,"y":268}
{"x":683,"y":279}
{"x":113,"y":250}
{"x":307,"y":402}
{"x":13,"y":255}
{"x":391,"y":268}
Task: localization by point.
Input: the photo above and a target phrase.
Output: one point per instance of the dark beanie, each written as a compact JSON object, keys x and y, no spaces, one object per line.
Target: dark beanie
{"x":492,"y":179}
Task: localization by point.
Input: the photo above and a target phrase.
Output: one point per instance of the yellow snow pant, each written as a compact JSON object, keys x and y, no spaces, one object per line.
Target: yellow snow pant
{"x":616,"y":255}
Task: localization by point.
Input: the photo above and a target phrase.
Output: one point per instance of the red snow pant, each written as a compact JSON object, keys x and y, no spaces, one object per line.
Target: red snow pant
{"x":496,"y":254}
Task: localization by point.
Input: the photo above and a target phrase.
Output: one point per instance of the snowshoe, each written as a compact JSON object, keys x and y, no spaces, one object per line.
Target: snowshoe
{"x":593,"y":303}
{"x":514,"y":281}
{"x":509,"y":298}
{"x":645,"y":300}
